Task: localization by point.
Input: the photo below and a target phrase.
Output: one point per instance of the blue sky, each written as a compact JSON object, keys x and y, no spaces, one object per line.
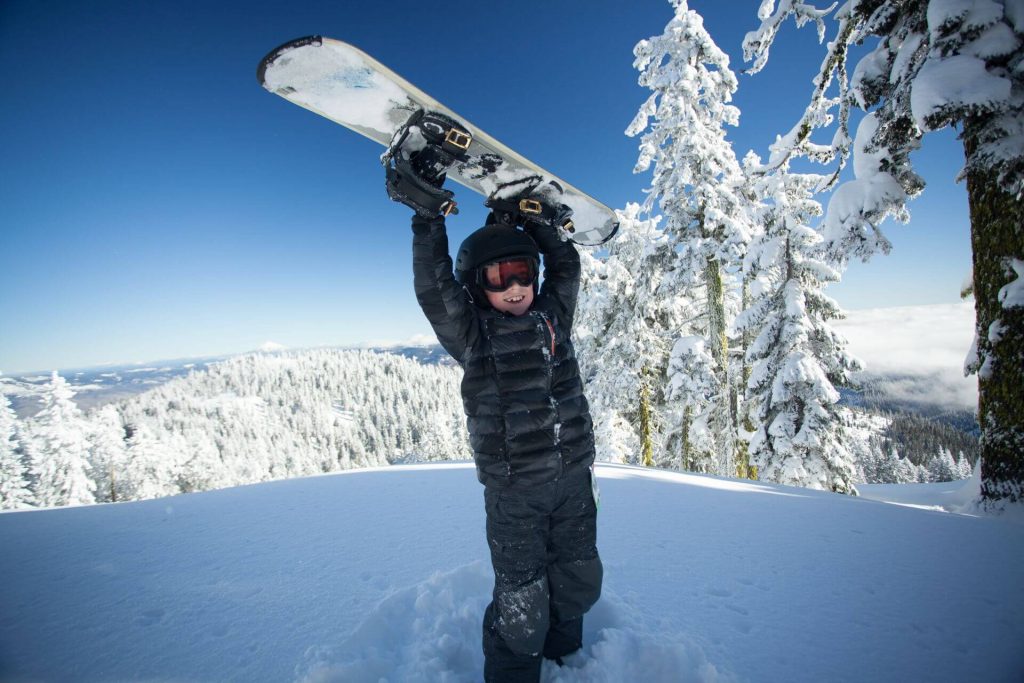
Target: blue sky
{"x":155,"y":202}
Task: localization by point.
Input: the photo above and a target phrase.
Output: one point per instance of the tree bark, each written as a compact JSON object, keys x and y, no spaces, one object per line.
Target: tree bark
{"x":718,"y":343}
{"x":646,"y":437}
{"x":744,"y":470}
{"x":997,"y":235}
{"x":687,"y":458}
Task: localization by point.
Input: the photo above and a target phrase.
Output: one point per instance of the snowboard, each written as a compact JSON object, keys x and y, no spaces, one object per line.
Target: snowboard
{"x":344,"y":84}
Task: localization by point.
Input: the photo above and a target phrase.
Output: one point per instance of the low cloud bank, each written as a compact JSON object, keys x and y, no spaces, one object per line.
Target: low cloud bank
{"x":914,"y":355}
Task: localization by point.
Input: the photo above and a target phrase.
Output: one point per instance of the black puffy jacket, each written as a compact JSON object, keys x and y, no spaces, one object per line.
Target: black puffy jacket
{"x":527,"y":416}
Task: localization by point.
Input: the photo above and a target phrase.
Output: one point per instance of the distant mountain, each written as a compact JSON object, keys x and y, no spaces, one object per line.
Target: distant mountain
{"x":870,"y":396}
{"x":100,"y":385}
{"x":103,"y":384}
{"x":920,"y":437}
{"x":916,"y":430}
{"x":428,"y":355}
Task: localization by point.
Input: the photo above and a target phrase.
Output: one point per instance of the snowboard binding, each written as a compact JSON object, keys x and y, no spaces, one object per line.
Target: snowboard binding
{"x":530,"y":207}
{"x":418,"y":158}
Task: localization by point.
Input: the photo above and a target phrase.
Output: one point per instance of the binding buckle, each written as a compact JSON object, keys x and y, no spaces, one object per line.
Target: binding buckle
{"x":531,"y":206}
{"x":458,"y":139}
{"x":569,"y":226}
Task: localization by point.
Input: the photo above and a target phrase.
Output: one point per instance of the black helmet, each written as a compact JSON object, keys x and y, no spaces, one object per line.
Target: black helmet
{"x":489,"y":244}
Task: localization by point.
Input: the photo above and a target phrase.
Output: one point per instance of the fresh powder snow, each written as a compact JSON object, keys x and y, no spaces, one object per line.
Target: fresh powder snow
{"x":383,"y":574}
{"x":1012,"y":295}
{"x":960,"y":81}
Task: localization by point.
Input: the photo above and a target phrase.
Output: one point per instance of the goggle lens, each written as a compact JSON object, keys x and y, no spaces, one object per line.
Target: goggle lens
{"x":498,"y":277}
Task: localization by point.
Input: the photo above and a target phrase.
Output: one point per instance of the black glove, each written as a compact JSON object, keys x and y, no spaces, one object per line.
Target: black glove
{"x":415,"y":172}
{"x":426,"y":198}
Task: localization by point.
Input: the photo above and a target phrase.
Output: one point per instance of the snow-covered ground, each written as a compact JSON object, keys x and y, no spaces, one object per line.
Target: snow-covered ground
{"x":383,"y":575}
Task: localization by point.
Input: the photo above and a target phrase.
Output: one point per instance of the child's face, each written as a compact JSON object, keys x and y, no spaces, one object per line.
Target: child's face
{"x":516,"y":300}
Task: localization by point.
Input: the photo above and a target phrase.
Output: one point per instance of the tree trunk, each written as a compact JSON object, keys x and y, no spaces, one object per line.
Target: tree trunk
{"x":687,"y":459}
{"x":718,"y":343}
{"x":717,"y":340}
{"x":113,"y":485}
{"x":646,"y":441}
{"x":744,"y":470}
{"x":997,"y":235}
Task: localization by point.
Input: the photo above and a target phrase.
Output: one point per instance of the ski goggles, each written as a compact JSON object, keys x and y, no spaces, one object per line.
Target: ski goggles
{"x":499,"y":276}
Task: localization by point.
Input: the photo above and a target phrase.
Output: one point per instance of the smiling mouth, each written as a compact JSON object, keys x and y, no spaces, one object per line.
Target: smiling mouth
{"x":514,"y":299}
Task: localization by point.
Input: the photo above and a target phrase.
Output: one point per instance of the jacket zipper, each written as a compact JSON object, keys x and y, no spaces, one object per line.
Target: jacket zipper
{"x":551,"y":331}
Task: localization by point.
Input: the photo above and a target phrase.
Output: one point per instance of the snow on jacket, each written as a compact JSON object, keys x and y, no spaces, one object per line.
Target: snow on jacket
{"x":527,"y":416}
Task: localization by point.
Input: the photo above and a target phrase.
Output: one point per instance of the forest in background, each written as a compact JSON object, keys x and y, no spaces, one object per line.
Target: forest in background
{"x":271,"y":416}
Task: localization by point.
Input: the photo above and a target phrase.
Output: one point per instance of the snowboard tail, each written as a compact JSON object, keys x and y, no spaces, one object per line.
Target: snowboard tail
{"x":344,"y":84}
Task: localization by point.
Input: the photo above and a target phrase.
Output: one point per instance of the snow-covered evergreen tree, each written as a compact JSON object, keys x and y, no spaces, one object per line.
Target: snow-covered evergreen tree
{"x":943,"y":467}
{"x":59,"y":449}
{"x":907,"y":472}
{"x":894,"y":469}
{"x":622,"y":332}
{"x":698,"y":185}
{"x":963,"y":467}
{"x":797,"y":359}
{"x":14,"y":485}
{"x":202,"y":468}
{"x":150,"y":470}
{"x":244,"y":420}
{"x":932,"y":64}
{"x":108,"y":454}
{"x":271,"y":416}
{"x":693,"y":393}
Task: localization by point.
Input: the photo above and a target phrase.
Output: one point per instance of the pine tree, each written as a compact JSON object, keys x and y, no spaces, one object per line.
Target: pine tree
{"x":261,"y":417}
{"x":933,"y":65}
{"x":870,"y":461}
{"x":60,"y":450}
{"x":622,"y":329}
{"x":906,"y":472}
{"x":797,"y":359}
{"x":149,"y":471}
{"x":942,"y":467}
{"x":693,"y":389}
{"x":886,"y":468}
{"x":14,"y":485}
{"x":108,"y":454}
{"x":963,"y":467}
{"x":697,"y":183}
{"x":745,"y":469}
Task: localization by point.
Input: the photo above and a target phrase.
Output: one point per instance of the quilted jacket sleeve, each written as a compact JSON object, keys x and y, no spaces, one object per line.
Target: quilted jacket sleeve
{"x":561,"y":270}
{"x":442,"y":298}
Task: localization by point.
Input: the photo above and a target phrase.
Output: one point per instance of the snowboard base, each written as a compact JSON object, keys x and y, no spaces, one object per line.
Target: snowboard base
{"x":344,"y":84}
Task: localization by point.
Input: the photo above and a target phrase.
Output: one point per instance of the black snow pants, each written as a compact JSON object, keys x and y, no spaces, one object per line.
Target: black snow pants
{"x":547,"y":574}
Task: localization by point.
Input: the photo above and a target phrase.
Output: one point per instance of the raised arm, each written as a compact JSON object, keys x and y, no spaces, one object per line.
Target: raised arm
{"x":441,"y":297}
{"x":561,"y":268}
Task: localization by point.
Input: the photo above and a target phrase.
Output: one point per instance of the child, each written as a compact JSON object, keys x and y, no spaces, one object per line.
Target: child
{"x":529,"y":426}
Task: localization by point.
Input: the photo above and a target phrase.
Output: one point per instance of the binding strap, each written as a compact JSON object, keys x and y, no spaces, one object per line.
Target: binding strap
{"x":523,"y":210}
{"x":415,"y":177}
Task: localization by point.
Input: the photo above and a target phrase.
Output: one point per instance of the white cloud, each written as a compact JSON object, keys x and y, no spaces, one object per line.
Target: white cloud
{"x":414,"y":340}
{"x":916,"y":354}
{"x":420,"y":340}
{"x":11,"y":388}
